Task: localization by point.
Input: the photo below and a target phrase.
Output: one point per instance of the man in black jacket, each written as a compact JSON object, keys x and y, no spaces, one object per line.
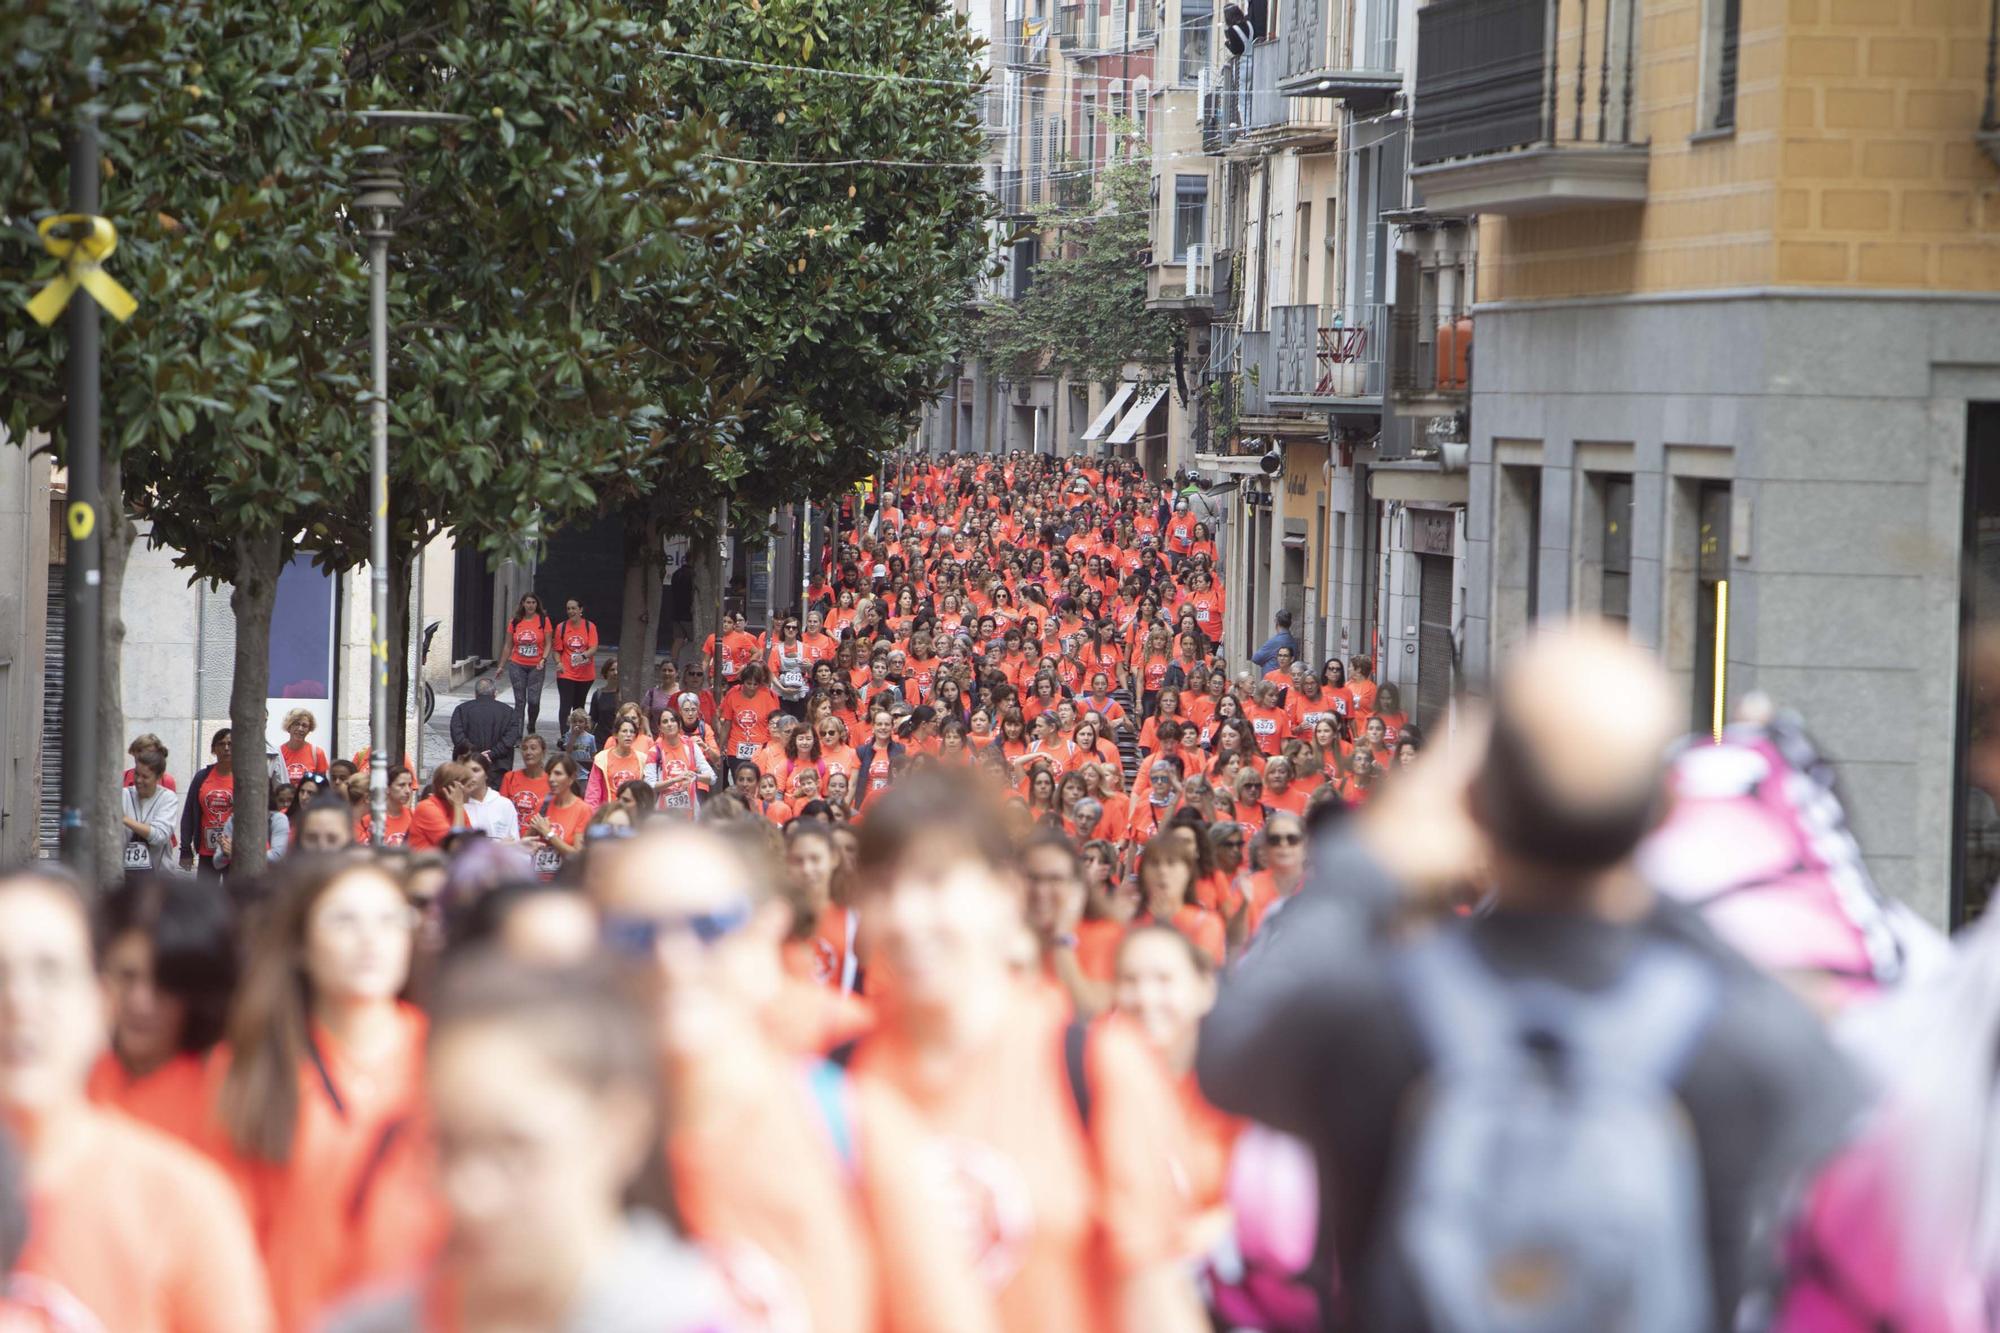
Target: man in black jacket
{"x":1329,"y":1026}
{"x":485,"y":727}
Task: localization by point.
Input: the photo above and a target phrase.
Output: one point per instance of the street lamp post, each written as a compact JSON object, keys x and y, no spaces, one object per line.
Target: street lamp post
{"x":378,"y":198}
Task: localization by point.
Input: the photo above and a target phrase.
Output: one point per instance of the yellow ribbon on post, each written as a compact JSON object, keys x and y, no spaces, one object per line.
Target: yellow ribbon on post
{"x":87,"y":242}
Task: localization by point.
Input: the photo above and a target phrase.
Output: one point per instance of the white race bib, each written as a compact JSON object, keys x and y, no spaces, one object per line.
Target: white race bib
{"x":527,"y":647}
{"x":547,"y":860}
{"x":138,"y":856}
{"x":211,"y":838}
{"x":745,"y":749}
{"x":578,"y":658}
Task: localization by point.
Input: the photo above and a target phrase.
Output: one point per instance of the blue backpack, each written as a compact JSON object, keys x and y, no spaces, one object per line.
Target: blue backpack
{"x":1549,"y":1182}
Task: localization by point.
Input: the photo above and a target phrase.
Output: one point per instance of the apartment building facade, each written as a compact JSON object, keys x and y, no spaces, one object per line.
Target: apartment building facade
{"x":1739,"y":361}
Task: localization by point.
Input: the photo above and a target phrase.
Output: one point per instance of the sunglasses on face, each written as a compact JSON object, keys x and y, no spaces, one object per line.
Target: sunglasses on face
{"x":637,"y":936}
{"x":1284,"y":839}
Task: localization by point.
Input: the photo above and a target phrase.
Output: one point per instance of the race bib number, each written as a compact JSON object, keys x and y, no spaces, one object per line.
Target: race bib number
{"x":547,"y":860}
{"x":525,"y":646}
{"x":793,"y":680}
{"x":745,"y":749}
{"x":138,"y":856}
{"x":683,"y":799}
{"x":1265,"y":726}
{"x":578,"y":657}
{"x":211,"y":838}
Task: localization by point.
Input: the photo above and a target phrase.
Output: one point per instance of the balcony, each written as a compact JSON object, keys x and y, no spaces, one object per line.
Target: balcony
{"x":1342,"y":49}
{"x":1430,"y":363}
{"x":1328,"y":356}
{"x":1525,"y":106}
{"x":1242,"y":104}
{"x":1026,"y":46}
{"x":994,"y":121}
{"x":1186,"y":285}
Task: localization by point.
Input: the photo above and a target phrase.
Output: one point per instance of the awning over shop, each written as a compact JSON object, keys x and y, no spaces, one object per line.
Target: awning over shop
{"x":1102,"y":421}
{"x":1135,"y":420}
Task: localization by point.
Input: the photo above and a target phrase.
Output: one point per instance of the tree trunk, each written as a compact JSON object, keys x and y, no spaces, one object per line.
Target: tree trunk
{"x":401,"y":564}
{"x":259,"y":557}
{"x":706,"y":554}
{"x":106,"y":800}
{"x":645,"y":571}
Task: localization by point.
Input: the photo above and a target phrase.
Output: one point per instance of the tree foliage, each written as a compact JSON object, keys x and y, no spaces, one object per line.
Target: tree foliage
{"x":1084,"y":316}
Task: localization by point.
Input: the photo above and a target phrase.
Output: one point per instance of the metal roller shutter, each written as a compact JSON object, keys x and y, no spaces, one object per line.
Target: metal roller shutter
{"x":49,"y":816}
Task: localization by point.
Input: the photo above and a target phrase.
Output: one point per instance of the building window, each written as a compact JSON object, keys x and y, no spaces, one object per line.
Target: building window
{"x":1190,"y":214}
{"x":1197,"y":25}
{"x":1722,"y":22}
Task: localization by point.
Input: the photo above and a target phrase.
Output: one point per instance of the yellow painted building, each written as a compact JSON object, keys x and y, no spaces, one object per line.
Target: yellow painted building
{"x":1737,"y":377}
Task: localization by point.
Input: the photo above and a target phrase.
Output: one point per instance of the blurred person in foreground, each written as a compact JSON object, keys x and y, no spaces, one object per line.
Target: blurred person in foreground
{"x":543,"y":1094}
{"x":1902,"y":1231}
{"x":823,"y":1197}
{"x":131,"y":1231}
{"x":1062,"y":1135}
{"x":1615,"y":1103}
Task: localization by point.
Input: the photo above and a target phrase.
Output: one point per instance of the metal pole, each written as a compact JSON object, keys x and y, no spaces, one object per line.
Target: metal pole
{"x":805,"y":555}
{"x":715,"y":686}
{"x":417,"y":667}
{"x":83,"y":578}
{"x":378,"y":527}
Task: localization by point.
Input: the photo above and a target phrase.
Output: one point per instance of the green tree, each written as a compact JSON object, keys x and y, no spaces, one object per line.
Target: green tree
{"x":235,"y":399}
{"x":852,"y":298}
{"x":220,"y":135}
{"x":1085,"y":316}
{"x":565,"y":268}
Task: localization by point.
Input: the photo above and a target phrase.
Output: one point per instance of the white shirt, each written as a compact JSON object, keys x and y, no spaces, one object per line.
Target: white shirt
{"x":495,"y":816}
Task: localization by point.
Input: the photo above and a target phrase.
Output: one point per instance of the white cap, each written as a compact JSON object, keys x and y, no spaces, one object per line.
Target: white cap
{"x":881,"y":572}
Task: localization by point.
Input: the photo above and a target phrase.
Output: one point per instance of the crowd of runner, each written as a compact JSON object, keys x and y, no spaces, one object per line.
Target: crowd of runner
{"x":950,"y":956}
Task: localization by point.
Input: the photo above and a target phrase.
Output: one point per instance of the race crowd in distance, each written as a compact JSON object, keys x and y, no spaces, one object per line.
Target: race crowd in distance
{"x":981,"y":952}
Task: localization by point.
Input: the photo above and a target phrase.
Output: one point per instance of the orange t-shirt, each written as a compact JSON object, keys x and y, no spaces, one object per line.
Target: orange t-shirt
{"x":1211,"y":1137}
{"x":303,"y":1211}
{"x":1361,"y":692}
{"x":526,"y":793}
{"x":528,"y":642}
{"x":431,"y":823}
{"x":395,"y":828}
{"x":1097,"y":948}
{"x":859,"y":1243}
{"x":141,"y":1231}
{"x":172,"y":1099}
{"x":1293,"y":799}
{"x":749,"y":720}
{"x":1269,"y":725}
{"x":1204,"y":928}
{"x":576,"y":652}
{"x":1062,"y":1215}
{"x":307,"y":758}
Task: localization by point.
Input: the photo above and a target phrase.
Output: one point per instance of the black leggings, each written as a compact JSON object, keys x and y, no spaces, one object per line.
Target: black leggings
{"x":570,"y":695}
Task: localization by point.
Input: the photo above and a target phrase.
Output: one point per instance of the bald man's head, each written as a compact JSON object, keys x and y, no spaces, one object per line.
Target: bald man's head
{"x":1574,"y":774}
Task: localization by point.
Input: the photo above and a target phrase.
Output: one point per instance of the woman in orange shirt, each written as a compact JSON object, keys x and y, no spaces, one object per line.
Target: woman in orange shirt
{"x":296,"y":756}
{"x":1165,"y":985}
{"x":1166,"y":888}
{"x":543,"y":1085}
{"x":745,"y":721}
{"x":168,"y":967}
{"x":530,"y":634}
{"x":557,"y":830}
{"x":396,"y":826}
{"x":616,"y":764}
{"x":576,"y":658}
{"x":1077,"y":1220}
{"x":443,"y":808}
{"x":322,"y":1074}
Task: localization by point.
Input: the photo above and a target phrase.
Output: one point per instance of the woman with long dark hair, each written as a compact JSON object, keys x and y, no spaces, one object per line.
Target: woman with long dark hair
{"x":322,"y":1072}
{"x":530,"y":635}
{"x":168,"y":966}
